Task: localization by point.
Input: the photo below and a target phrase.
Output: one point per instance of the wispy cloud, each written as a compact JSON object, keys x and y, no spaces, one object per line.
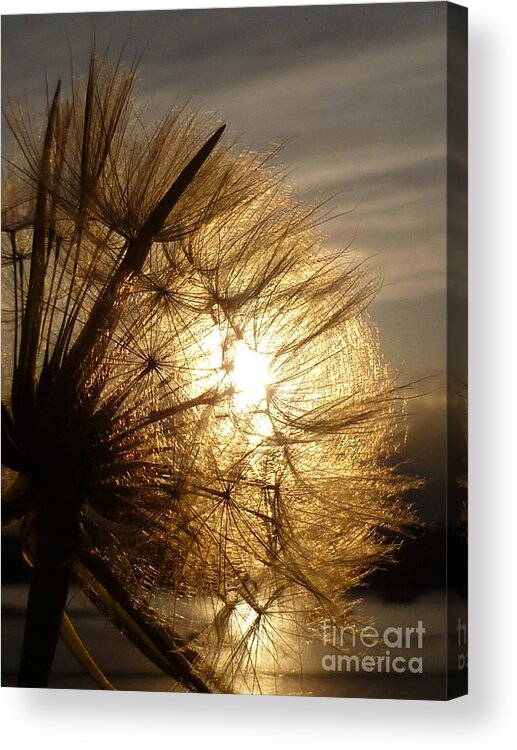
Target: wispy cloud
{"x":357,"y":92}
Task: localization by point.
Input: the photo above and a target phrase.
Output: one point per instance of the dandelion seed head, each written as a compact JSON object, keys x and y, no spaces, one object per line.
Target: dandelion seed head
{"x":219,"y":412}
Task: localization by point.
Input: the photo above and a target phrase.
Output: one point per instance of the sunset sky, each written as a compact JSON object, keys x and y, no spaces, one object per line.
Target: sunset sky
{"x":216,"y":472}
{"x":356,"y":92}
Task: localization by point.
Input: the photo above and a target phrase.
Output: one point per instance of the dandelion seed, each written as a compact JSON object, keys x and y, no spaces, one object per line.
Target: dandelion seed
{"x":196,"y":402}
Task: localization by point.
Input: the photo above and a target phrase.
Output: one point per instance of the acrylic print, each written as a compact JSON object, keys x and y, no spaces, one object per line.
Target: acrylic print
{"x":234,"y":351}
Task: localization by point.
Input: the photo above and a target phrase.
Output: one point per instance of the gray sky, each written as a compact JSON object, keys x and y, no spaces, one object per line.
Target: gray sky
{"x":358,"y":92}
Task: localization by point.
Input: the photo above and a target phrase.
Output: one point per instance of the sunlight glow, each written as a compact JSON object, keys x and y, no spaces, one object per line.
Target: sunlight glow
{"x":243,"y":368}
{"x":250,"y":376}
{"x":265,"y":641}
{"x":244,"y":617}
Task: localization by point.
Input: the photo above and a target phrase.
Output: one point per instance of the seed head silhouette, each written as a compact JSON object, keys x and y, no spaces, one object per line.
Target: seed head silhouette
{"x":200,"y":421}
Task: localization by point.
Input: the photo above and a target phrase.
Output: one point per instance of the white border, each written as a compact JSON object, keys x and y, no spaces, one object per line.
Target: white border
{"x":142,"y":720}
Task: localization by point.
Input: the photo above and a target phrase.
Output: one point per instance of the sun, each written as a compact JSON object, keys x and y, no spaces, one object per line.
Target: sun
{"x":242,"y":367}
{"x":242,"y":370}
{"x":250,"y":377}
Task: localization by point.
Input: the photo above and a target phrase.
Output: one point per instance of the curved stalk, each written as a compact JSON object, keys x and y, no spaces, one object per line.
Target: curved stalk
{"x":71,"y":639}
{"x":102,"y":588}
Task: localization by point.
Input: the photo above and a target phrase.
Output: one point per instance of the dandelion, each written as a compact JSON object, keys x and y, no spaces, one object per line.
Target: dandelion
{"x":196,"y":409}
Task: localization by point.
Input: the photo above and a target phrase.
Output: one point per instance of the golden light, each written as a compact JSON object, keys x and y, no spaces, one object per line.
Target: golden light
{"x":256,"y":636}
{"x":244,"y":369}
{"x":217,"y":364}
{"x":243,"y":618}
{"x":250,"y":376}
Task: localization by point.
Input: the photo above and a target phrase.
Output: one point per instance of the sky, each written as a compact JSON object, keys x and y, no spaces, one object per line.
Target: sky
{"x":356,"y":93}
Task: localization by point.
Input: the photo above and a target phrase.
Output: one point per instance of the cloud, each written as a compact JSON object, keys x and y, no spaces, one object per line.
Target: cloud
{"x":358,"y":93}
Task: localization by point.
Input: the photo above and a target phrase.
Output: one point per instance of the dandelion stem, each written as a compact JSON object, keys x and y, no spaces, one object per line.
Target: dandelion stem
{"x":12,"y":456}
{"x":47,"y":597}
